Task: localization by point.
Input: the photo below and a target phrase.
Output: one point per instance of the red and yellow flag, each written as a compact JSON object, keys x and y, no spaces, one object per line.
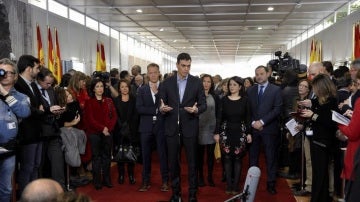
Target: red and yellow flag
{"x":57,"y":61}
{"x":356,"y":43}
{"x":50,"y":52}
{"x":98,"y":60}
{"x":39,"y":45}
{"x":315,"y":51}
{"x":103,"y":62}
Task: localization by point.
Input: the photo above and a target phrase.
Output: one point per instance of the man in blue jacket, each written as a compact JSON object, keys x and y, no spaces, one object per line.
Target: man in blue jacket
{"x":13,"y":106}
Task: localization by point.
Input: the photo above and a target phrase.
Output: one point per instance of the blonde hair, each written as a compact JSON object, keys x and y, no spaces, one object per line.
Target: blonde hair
{"x":323,"y":88}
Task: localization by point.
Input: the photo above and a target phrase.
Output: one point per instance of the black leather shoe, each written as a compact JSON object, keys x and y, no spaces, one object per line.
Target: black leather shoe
{"x":271,"y":190}
{"x":192,"y":198}
{"x":108,"y":184}
{"x":201,"y":182}
{"x":121,"y":179}
{"x":132,"y":179}
{"x":175,"y":198}
{"x":211,"y":182}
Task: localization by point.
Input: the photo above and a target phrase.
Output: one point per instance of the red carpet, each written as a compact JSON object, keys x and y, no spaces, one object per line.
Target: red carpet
{"x":129,"y":193}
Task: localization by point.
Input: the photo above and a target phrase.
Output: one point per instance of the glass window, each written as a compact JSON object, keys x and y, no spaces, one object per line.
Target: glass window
{"x":329,"y":21}
{"x":104,"y":29}
{"x":114,"y":34}
{"x":342,"y":12}
{"x":58,"y":8}
{"x":76,"y":16}
{"x":355,"y":6}
{"x":92,"y":24}
{"x":311,"y":32}
{"x":38,"y":3}
{"x":319,"y":28}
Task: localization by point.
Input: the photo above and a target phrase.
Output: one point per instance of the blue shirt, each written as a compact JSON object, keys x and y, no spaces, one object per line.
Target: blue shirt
{"x":181,"y":86}
{"x":15,"y":107}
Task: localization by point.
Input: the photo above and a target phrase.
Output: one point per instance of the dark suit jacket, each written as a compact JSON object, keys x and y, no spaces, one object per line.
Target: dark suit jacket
{"x":29,"y":128}
{"x":194,"y":93}
{"x":50,"y":125}
{"x":269,"y":109}
{"x":147,"y":109}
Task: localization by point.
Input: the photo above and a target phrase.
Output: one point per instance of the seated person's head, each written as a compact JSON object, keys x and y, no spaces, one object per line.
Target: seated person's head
{"x":41,"y":190}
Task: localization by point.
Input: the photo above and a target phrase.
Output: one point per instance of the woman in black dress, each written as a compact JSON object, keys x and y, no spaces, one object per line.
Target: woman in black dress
{"x":235,"y":119}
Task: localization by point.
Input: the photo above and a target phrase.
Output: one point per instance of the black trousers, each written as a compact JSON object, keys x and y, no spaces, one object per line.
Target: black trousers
{"x":209,"y":149}
{"x":101,"y":157}
{"x":174,"y":148}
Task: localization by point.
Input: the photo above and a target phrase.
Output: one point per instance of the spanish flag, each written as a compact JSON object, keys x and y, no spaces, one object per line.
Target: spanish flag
{"x":50,"y":52}
{"x":39,"y":45}
{"x":57,"y":61}
{"x":102,"y":58}
{"x":98,"y":60}
{"x":315,"y":51}
{"x":312,"y":51}
{"x":356,"y":43}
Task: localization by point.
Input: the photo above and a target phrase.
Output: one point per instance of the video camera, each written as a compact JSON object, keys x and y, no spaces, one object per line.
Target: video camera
{"x":284,"y":63}
{"x":103,"y":76}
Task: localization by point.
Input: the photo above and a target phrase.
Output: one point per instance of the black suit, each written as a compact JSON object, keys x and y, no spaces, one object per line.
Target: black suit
{"x":53,"y":158}
{"x":268,"y":111}
{"x":30,"y":151}
{"x":151,"y":128}
{"x":182,"y":126}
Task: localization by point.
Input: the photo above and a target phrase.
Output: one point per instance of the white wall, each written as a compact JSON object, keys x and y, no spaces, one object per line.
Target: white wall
{"x":337,"y":42}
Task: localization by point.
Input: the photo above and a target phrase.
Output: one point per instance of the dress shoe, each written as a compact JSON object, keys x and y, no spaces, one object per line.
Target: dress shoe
{"x":175,"y":198}
{"x":98,"y":186}
{"x":121,"y":179}
{"x":108,"y":184}
{"x":201,"y":182}
{"x":271,"y":190}
{"x":132,"y":179}
{"x":144,"y":187}
{"x":289,"y":176}
{"x":164,"y":187}
{"x":192,"y":197}
{"x":302,"y":192}
{"x":211,"y":182}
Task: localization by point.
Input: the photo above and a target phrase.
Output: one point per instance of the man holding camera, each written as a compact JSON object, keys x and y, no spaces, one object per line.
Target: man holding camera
{"x":13,"y":106}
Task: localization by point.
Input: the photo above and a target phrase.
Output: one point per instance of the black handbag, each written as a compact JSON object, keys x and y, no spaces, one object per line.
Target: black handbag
{"x":127,"y":154}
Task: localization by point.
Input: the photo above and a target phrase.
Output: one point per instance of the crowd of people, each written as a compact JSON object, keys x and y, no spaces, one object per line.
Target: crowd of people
{"x":125,"y":116}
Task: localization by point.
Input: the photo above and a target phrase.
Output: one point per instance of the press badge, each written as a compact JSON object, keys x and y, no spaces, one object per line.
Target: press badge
{"x":309,"y":132}
{"x":11,"y":125}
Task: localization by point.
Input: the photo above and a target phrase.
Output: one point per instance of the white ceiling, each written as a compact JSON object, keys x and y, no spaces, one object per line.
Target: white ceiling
{"x":217,"y":32}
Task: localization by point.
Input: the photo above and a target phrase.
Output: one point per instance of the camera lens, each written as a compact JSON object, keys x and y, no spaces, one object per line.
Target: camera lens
{"x":2,"y":73}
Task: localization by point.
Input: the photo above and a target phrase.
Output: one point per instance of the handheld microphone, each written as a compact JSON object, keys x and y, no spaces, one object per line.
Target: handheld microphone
{"x":251,"y":184}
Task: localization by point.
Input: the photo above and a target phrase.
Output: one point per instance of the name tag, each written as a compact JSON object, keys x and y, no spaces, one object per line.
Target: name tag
{"x":154,"y":118}
{"x":11,"y":125}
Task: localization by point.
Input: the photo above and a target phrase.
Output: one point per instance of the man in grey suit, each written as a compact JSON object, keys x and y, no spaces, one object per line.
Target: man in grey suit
{"x":265,"y":103}
{"x":182,"y":100}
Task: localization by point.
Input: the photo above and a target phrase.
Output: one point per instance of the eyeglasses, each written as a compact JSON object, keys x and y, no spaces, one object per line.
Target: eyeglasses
{"x":6,"y":73}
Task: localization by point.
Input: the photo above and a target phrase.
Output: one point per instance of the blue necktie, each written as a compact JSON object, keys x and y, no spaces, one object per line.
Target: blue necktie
{"x":261,"y":92}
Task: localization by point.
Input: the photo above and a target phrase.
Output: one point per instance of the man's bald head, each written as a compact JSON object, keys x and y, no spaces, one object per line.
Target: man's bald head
{"x":41,"y":190}
{"x":315,"y":69}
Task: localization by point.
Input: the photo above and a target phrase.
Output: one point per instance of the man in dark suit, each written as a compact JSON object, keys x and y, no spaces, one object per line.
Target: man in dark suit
{"x":182,"y":100}
{"x":151,"y":128}
{"x":30,"y":150}
{"x":53,"y":162}
{"x":265,"y":103}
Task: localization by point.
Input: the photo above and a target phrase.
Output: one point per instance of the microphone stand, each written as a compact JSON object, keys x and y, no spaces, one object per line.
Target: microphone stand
{"x":242,"y":196}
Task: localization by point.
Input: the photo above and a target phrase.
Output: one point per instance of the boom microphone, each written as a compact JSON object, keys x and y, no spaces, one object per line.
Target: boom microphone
{"x":251,"y":184}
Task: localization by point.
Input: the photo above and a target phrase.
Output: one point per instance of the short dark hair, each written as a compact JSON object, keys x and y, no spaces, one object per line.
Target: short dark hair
{"x":183,"y":56}
{"x":26,"y":61}
{"x":262,"y":66}
{"x":92,"y":86}
{"x":239,"y":81}
{"x":44,"y":72}
{"x":328,"y":66}
{"x":211,"y":90}
{"x":123,"y":74}
{"x":114,"y":72}
{"x":123,"y":81}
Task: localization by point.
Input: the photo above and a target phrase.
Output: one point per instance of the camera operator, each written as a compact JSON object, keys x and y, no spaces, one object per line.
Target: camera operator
{"x":109,"y":90}
{"x":13,"y":105}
